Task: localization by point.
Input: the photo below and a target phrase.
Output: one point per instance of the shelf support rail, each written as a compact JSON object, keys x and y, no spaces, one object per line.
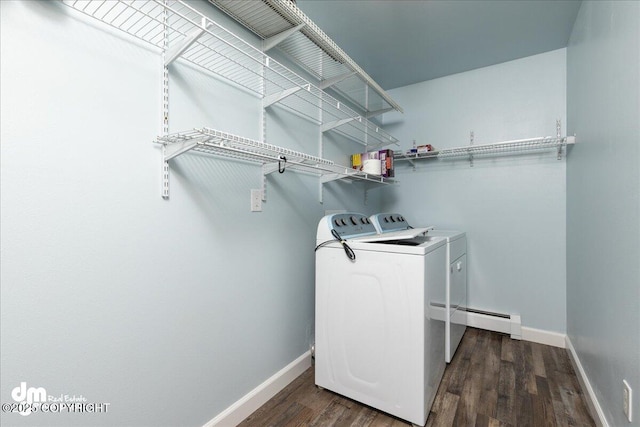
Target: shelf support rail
{"x":165,"y":99}
{"x":559,"y":136}
{"x":471,"y":136}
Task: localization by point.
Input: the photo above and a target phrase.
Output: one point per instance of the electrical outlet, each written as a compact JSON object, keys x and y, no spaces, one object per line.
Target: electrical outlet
{"x":627,"y":399}
{"x":256,"y":200}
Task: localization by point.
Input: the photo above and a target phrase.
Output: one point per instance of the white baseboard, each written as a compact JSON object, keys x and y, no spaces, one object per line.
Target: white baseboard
{"x":257,"y":397}
{"x":511,"y":325}
{"x":541,"y":336}
{"x":594,"y":406}
{"x":506,"y":325}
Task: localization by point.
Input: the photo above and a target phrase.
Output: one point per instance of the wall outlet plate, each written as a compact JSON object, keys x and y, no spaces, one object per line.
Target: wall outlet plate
{"x":256,"y":200}
{"x":627,"y":400}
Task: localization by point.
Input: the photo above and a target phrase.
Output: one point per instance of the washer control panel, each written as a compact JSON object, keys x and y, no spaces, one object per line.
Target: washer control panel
{"x":347,"y":225}
{"x":385,"y":222}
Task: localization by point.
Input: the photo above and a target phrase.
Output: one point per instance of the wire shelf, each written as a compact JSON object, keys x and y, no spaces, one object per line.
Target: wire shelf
{"x":518,"y":146}
{"x":508,"y":147}
{"x":141,"y":19}
{"x":207,"y":45}
{"x":223,"y":144}
{"x":310,"y":48}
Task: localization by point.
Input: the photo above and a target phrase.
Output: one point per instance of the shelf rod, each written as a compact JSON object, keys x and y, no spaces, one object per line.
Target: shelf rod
{"x":273,"y":41}
{"x":179,"y":48}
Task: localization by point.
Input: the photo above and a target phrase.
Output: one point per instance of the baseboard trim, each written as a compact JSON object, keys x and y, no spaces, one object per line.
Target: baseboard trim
{"x":257,"y":397}
{"x":594,"y":406}
{"x":507,"y":324}
{"x":541,"y":336}
{"x":511,"y":324}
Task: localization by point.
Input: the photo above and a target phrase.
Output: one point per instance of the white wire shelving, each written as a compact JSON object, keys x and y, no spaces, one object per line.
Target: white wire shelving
{"x":281,"y":23}
{"x":558,"y":144}
{"x":272,"y":157}
{"x":202,"y":42}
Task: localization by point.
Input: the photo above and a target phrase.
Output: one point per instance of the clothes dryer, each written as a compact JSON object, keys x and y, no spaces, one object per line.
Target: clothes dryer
{"x":454,"y":303}
{"x":456,"y":293}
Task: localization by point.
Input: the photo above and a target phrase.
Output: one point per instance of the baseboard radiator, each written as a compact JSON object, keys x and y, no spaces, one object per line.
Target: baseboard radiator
{"x":498,"y":322}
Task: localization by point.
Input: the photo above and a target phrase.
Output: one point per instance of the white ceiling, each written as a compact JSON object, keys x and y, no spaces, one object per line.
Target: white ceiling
{"x":400,"y":42}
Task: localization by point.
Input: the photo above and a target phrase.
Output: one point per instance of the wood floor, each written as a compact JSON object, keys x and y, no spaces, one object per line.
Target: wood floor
{"x":492,"y":381}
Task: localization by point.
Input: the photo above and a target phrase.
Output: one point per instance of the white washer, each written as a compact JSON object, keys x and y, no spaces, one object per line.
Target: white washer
{"x":376,"y":339}
{"x":454,"y":303}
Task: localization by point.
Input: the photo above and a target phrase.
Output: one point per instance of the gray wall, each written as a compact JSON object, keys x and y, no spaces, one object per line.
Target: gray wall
{"x":603,"y":200}
{"x":513,"y":208}
{"x":168,"y":310}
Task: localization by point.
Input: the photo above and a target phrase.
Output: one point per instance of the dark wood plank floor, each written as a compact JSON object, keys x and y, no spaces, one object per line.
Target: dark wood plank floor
{"x":491,"y":381}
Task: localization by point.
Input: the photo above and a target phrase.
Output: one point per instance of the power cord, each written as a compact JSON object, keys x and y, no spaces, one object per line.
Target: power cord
{"x":347,"y":249}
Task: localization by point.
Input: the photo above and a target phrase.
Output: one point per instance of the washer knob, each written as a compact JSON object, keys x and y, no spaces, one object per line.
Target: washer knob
{"x":354,"y":220}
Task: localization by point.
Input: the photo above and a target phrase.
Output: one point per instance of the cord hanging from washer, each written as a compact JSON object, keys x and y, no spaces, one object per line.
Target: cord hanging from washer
{"x":347,"y":249}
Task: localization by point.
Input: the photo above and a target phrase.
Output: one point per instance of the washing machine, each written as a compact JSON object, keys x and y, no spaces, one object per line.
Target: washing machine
{"x":453,"y":307}
{"x":377,"y":341}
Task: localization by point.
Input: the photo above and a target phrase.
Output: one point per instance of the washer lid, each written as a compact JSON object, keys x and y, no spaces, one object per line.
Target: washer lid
{"x":450,"y":235}
{"x":393,"y":235}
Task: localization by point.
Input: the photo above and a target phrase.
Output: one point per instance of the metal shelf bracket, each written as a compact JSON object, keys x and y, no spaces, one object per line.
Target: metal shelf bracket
{"x":178,"y":49}
{"x":273,"y":41}
{"x":331,"y":125}
{"x":178,"y":148}
{"x":330,"y":177}
{"x":335,"y":80}
{"x":267,"y":169}
{"x":279,"y":96}
{"x":378,"y":112}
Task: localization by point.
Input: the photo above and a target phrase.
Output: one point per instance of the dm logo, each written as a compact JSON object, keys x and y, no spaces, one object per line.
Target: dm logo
{"x":22,"y":394}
